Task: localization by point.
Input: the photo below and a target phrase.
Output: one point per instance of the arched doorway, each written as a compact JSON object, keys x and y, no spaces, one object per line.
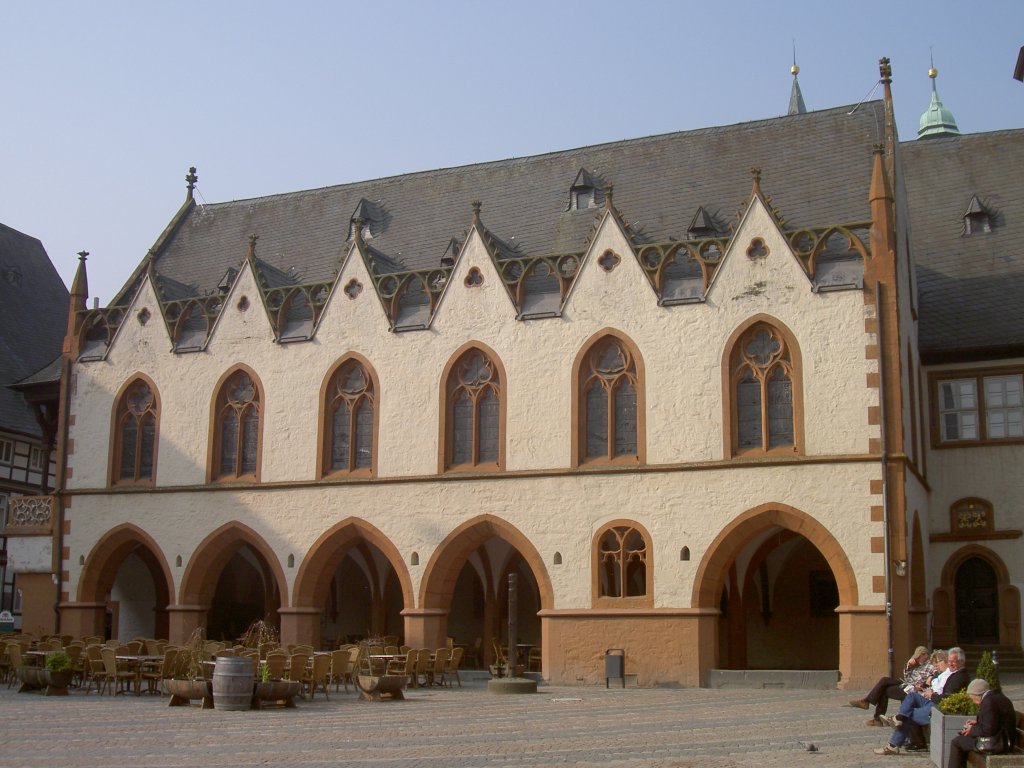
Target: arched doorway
{"x":468,"y":578}
{"x":775,"y":573}
{"x":977,"y":602}
{"x":232,"y":579}
{"x":355,"y":585}
{"x":128,"y":584}
{"x":975,"y":593}
{"x":245,"y":592}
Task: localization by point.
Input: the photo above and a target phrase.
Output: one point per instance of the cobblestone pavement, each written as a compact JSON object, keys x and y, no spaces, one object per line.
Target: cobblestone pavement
{"x":457,"y":728}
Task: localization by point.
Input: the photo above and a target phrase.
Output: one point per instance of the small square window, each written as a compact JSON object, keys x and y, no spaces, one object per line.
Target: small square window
{"x":6,"y":451}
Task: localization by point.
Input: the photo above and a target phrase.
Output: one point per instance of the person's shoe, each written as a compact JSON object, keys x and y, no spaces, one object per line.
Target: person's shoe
{"x":875,"y":722}
{"x":916,"y":748}
{"x":859,"y":703}
{"x":888,"y":749}
{"x":889,"y":720}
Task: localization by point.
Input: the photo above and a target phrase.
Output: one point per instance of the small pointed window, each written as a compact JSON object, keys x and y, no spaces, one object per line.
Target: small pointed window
{"x":473,"y":434}
{"x":135,"y":435}
{"x":350,"y":420}
{"x":237,"y":429}
{"x":609,"y":403}
{"x":762,"y":378}
{"x":622,"y":573}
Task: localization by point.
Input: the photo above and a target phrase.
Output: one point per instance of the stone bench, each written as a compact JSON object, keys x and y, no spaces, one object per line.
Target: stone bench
{"x":1013,"y":758}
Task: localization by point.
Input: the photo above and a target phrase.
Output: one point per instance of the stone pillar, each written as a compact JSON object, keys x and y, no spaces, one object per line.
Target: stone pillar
{"x":863,"y":646}
{"x":182,"y":621}
{"x":426,"y":627}
{"x":82,"y":619}
{"x":300,"y":626}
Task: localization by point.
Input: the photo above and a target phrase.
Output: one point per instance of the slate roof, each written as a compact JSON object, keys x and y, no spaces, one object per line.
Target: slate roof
{"x":815,"y":166}
{"x":33,"y":319}
{"x":970,"y":287}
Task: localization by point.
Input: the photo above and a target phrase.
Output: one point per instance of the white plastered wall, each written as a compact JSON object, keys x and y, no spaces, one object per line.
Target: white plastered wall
{"x":682,"y":349}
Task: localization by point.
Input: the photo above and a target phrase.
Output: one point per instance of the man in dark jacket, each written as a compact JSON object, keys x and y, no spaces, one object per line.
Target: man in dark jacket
{"x":995,"y":716}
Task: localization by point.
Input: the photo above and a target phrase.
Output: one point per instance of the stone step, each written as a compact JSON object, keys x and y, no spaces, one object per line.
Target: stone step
{"x":817,"y":679}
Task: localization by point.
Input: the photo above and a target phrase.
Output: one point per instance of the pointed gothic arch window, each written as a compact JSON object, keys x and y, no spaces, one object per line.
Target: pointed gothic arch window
{"x":238,"y":427}
{"x":764,"y":392}
{"x":623,"y":572}
{"x":474,"y":413}
{"x":350,"y":417}
{"x":135,"y":429}
{"x":610,"y":394}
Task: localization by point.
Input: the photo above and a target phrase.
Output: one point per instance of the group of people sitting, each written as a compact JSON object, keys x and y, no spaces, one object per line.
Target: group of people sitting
{"x":927,"y":679}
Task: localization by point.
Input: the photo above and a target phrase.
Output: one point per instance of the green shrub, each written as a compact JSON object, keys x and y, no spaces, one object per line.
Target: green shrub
{"x":988,"y":671}
{"x":959,"y":703}
{"x":58,"y":661}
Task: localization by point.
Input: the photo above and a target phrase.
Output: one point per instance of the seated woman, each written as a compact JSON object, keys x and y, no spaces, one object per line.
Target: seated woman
{"x":996,"y":717}
{"x":916,"y":672}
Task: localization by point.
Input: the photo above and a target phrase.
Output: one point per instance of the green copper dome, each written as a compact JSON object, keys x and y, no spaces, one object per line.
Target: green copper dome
{"x":937,"y":120}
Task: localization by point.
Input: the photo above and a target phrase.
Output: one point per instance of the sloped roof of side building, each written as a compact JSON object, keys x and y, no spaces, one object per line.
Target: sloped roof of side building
{"x":33,"y":320}
{"x":967,"y":228}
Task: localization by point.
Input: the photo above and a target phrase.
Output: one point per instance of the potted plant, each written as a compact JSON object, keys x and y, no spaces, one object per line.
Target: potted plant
{"x":988,"y":671}
{"x":189,"y":680}
{"x":947,"y":720}
{"x":58,"y":673}
{"x":269,"y":690}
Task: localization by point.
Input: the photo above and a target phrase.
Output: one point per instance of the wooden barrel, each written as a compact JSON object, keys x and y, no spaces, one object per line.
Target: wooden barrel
{"x":232,"y":683}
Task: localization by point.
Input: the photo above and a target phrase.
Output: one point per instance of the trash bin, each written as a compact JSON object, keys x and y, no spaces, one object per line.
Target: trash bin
{"x":615,"y":665}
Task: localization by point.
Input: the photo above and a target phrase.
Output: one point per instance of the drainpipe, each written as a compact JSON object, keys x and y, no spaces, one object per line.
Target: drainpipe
{"x":885,"y":478}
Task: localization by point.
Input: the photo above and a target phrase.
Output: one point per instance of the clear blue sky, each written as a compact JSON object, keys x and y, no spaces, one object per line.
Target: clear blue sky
{"x":107,"y":104}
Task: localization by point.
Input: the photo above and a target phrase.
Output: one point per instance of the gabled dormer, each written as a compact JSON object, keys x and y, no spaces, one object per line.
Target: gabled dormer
{"x":585,"y":192}
{"x":368,"y":217}
{"x":977,"y":218}
{"x":702,"y":226}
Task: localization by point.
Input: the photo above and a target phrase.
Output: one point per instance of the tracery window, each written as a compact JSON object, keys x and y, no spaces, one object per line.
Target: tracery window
{"x":473,"y":419}
{"x":237,"y":428}
{"x":622,"y":568}
{"x":135,"y":434}
{"x":349,"y":427}
{"x":763,"y":392}
{"x":608,"y":403}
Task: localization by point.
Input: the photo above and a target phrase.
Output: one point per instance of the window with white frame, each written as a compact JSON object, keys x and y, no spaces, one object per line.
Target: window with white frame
{"x":982,"y":407}
{"x":6,"y":451}
{"x":36,"y":459}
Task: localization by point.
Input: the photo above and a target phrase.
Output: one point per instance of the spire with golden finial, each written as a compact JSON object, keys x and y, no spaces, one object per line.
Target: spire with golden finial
{"x":937,"y":120}
{"x":796,"y":97}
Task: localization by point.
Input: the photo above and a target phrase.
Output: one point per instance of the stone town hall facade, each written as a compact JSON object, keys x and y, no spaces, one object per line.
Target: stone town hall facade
{"x":705,"y":393}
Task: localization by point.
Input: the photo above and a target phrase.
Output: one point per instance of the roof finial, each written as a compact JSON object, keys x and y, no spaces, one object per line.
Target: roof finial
{"x":192,"y":178}
{"x":796,"y":98}
{"x":252,"y":246}
{"x":937,"y":120}
{"x":755,"y":173}
{"x":82,"y":255}
{"x":608,"y":189}
{"x":475,"y":205}
{"x":885,"y":70}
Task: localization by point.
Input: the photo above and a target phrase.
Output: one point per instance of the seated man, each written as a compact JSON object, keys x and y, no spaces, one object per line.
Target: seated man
{"x":916,"y":671}
{"x":995,"y":716}
{"x":915,"y":710}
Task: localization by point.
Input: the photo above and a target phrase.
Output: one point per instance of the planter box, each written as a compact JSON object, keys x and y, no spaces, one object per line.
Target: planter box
{"x":279,"y":692}
{"x":184,"y":691}
{"x":50,"y":682}
{"x":944,"y":728}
